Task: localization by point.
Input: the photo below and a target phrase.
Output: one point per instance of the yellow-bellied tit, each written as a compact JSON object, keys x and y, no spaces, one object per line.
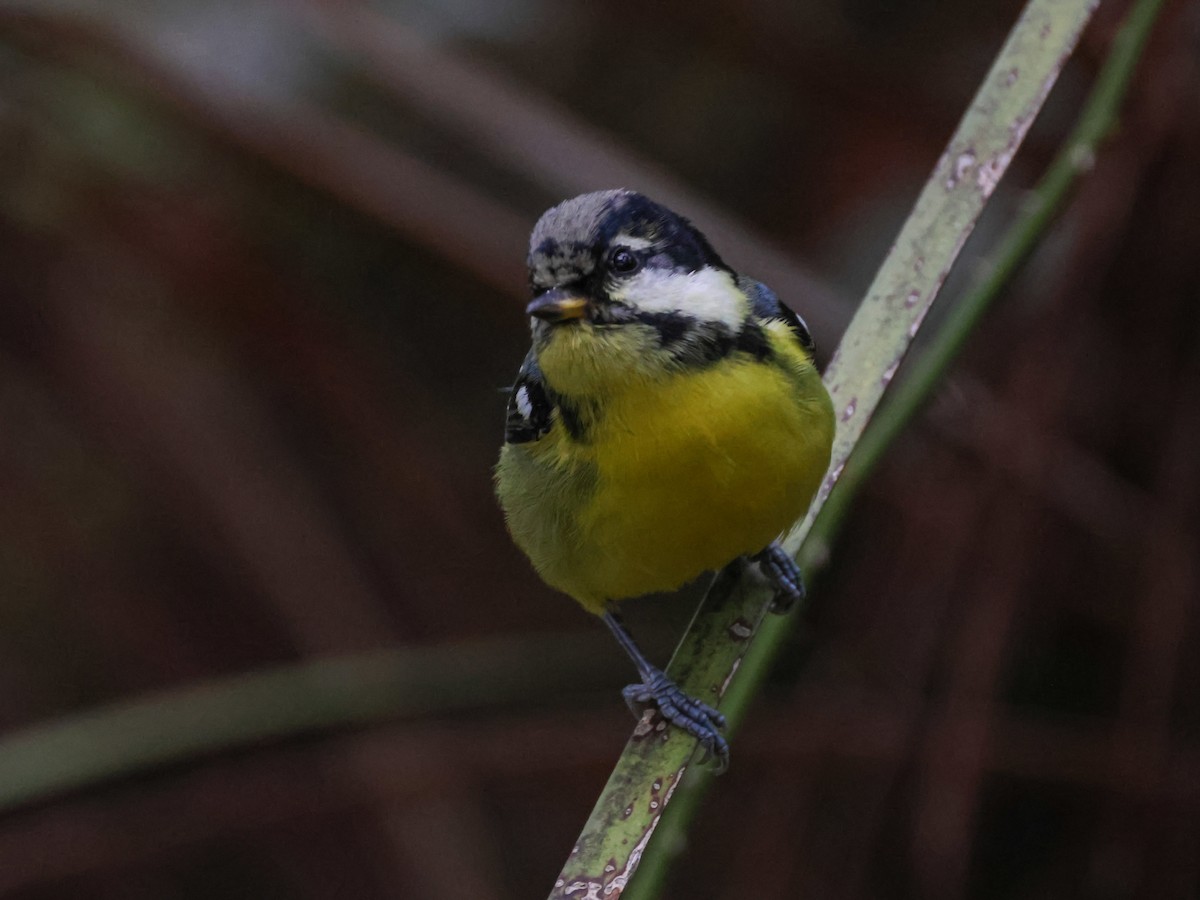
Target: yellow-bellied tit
{"x":668,"y":419}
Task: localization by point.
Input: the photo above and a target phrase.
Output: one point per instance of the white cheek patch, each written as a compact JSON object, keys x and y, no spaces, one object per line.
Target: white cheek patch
{"x":708,"y":294}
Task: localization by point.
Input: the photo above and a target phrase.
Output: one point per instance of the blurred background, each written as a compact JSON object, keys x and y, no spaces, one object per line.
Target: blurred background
{"x":261,"y":280}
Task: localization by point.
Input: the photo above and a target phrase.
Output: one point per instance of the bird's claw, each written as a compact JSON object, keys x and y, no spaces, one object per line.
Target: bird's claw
{"x":783,"y":573}
{"x":698,"y":719}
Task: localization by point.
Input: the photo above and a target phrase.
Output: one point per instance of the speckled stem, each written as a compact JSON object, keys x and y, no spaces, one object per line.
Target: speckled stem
{"x":615,"y":839}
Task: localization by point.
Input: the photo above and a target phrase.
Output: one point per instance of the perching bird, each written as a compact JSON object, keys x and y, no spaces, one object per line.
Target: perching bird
{"x":668,"y":419}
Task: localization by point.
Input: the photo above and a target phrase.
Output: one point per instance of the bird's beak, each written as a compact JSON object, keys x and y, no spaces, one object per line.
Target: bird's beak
{"x":558,"y":305}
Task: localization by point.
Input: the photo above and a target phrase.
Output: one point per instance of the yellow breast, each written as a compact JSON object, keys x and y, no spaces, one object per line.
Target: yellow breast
{"x":674,"y":479}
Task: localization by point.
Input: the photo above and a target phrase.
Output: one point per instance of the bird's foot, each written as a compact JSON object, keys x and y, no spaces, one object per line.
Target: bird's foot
{"x":783,"y":573}
{"x":698,"y":719}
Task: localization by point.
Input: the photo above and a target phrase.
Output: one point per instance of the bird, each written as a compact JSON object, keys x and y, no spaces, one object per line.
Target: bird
{"x":668,"y":420}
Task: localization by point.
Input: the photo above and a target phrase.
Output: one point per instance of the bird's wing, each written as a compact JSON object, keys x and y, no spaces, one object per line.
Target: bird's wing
{"x":766,"y":305}
{"x":529,"y":406}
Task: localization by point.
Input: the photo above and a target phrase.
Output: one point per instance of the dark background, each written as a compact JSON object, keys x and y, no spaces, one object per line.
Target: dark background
{"x":260,"y":280}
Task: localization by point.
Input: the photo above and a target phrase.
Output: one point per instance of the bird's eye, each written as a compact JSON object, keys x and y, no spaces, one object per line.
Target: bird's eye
{"x":623,"y":261}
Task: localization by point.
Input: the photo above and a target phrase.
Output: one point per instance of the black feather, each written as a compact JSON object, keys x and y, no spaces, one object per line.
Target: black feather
{"x":521,"y":427}
{"x":766,"y":305}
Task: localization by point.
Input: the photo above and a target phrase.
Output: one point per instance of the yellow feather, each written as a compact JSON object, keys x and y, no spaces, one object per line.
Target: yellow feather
{"x":681,"y":471}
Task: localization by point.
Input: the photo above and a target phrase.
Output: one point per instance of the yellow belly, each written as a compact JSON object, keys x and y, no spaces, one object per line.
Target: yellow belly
{"x":674,"y":480}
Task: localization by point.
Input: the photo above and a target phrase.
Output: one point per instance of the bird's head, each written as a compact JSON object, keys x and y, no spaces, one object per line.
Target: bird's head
{"x":619,"y":281}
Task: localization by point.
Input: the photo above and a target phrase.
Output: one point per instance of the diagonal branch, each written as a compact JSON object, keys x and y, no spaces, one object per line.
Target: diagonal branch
{"x":617,"y":835}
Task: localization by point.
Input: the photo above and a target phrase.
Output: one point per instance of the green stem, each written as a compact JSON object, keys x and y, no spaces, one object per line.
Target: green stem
{"x":1075,"y":159}
{"x":88,"y":748}
{"x":616,"y":838}
{"x":922,"y":375}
